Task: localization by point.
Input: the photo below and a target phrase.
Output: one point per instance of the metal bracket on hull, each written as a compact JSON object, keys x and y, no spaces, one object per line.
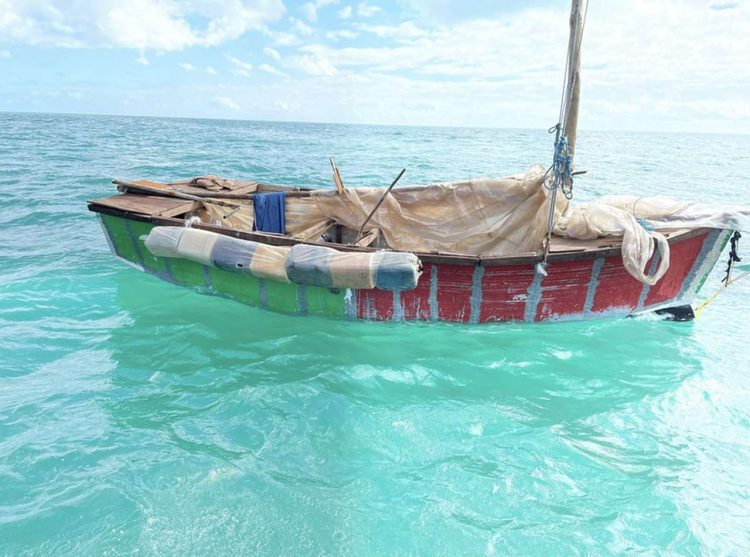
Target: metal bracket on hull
{"x":677,"y":313}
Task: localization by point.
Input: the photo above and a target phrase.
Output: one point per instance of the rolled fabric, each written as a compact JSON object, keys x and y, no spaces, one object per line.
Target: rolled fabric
{"x":162,"y":241}
{"x":330,"y":268}
{"x":310,"y":265}
{"x":353,"y":270}
{"x":302,"y":264}
{"x":197,"y":245}
{"x":218,"y":250}
{"x":397,"y":270}
{"x":232,"y":254}
{"x":269,"y":262}
{"x":252,"y":258}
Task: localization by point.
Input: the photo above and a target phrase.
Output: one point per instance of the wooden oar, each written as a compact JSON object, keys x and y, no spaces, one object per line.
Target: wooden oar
{"x":377,"y":205}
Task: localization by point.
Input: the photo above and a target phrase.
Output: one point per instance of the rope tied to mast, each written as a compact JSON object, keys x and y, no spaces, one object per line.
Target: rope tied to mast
{"x":562,"y":165}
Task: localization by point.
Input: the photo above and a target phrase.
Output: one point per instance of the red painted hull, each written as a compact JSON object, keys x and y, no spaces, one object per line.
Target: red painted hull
{"x":575,"y":289}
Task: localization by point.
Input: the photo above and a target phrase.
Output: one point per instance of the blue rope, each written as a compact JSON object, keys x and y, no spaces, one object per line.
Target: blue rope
{"x":561,"y":169}
{"x":562,"y":178}
{"x":645,"y":225}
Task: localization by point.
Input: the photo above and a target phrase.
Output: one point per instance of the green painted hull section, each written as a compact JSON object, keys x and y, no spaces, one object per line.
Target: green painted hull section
{"x":126,"y":241}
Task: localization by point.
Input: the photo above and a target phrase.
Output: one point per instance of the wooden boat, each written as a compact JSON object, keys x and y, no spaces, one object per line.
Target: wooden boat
{"x":585,"y":279}
{"x":580,"y":279}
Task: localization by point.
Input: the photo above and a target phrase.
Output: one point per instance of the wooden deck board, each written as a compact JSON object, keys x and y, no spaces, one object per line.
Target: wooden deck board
{"x":239,"y":187}
{"x":151,"y":205}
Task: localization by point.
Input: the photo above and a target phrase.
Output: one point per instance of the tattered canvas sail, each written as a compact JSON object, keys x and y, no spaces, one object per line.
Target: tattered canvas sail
{"x":488,"y":217}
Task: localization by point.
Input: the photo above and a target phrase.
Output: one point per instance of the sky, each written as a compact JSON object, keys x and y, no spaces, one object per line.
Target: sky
{"x":654,"y":65}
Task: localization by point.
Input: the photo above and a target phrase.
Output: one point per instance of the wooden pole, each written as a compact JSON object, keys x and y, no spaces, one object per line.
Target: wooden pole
{"x":377,"y":205}
{"x":337,"y":181}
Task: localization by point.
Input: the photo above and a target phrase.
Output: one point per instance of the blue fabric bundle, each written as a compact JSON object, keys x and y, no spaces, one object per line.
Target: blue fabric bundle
{"x":269,"y":212}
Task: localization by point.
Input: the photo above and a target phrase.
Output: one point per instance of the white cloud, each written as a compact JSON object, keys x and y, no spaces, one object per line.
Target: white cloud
{"x":271,"y":70}
{"x":341,"y":34}
{"x":5,"y":54}
{"x":211,"y":71}
{"x":228,"y":102}
{"x":315,"y":65}
{"x":239,"y":67}
{"x":310,"y":12}
{"x":404,"y":31}
{"x":365,"y":9}
{"x":301,"y":28}
{"x":145,"y":24}
{"x":273,"y":53}
{"x":310,"y":9}
{"x":286,"y":106}
{"x":283,"y":38}
{"x":624,"y":79}
{"x":162,"y":25}
{"x":500,"y":71}
{"x":188,"y":67}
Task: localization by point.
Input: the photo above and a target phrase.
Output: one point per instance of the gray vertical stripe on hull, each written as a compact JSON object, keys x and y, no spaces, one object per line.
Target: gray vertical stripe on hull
{"x":476,"y":294}
{"x":593,"y":285}
{"x":533,"y":297}
{"x":433,"y":300}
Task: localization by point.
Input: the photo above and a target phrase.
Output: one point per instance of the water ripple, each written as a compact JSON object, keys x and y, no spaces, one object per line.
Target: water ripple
{"x":137,"y":417}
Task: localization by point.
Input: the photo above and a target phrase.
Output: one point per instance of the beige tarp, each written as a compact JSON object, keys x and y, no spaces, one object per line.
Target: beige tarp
{"x":232,"y":217}
{"x":506,"y":217}
{"x":486,"y":217}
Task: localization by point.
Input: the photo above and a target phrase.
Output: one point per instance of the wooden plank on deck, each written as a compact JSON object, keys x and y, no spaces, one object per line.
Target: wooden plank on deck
{"x":146,"y":204}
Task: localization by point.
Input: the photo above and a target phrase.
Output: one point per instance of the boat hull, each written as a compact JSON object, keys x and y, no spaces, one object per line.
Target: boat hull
{"x":584,"y":287}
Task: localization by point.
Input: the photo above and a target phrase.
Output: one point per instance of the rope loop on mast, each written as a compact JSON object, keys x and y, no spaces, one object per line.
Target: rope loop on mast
{"x":561,"y":170}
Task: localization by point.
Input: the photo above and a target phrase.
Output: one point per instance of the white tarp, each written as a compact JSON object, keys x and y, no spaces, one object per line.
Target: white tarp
{"x":620,"y":216}
{"x":667,"y":213}
{"x":595,"y":220}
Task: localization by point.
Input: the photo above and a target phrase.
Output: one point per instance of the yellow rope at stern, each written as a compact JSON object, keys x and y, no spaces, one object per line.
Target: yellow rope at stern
{"x":716,"y":294}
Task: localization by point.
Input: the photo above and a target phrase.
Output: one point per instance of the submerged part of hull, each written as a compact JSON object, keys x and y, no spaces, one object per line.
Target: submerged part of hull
{"x":585,"y":288}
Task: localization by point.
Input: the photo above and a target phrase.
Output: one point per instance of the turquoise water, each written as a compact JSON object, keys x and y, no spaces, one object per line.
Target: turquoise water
{"x":137,"y":417}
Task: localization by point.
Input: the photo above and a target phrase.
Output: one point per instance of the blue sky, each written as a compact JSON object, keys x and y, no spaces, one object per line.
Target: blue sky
{"x":673,"y":65}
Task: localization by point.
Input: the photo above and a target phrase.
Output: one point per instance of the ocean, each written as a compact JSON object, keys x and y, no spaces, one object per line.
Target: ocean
{"x":137,"y":417}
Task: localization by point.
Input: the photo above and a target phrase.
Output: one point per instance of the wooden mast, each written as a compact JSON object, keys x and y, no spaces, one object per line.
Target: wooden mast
{"x":567,"y":125}
{"x":572,"y":90}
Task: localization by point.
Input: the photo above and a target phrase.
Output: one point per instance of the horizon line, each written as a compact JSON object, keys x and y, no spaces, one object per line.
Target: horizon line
{"x":385,"y":125}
